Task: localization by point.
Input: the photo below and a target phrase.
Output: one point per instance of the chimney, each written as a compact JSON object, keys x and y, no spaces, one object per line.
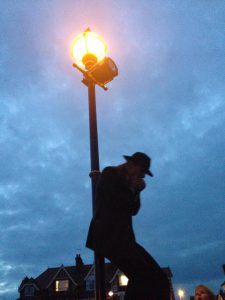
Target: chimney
{"x":79,"y":261}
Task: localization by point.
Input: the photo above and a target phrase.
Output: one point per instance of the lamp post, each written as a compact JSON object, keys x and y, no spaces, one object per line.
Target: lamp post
{"x":181,"y":294}
{"x":110,"y":294}
{"x":89,"y":52}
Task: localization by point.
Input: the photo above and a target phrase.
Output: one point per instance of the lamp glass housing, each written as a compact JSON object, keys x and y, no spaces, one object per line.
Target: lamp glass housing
{"x":88,"y":43}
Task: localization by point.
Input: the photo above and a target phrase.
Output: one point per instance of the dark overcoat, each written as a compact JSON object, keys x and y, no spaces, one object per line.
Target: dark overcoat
{"x":111,"y":231}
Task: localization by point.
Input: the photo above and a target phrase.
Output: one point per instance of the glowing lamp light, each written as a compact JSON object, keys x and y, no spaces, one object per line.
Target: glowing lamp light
{"x":88,"y":48}
{"x":110,"y":293}
{"x":123,"y":280}
{"x":181,"y":294}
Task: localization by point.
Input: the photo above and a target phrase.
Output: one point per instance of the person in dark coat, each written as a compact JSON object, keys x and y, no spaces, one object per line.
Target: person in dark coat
{"x":111,"y":232}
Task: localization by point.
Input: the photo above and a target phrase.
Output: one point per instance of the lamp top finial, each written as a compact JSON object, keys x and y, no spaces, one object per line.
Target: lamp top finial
{"x":87,"y":30}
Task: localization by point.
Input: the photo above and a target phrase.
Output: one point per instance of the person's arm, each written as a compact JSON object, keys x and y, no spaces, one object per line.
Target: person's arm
{"x":136,"y":205}
{"x":119,"y":195}
{"x":137,"y":185}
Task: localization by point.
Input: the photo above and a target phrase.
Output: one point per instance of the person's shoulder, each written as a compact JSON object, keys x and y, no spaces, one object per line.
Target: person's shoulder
{"x":112,"y":176}
{"x":110,"y":170}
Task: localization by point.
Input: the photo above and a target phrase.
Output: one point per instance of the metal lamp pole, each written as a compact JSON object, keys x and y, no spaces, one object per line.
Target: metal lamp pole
{"x":100,"y":292}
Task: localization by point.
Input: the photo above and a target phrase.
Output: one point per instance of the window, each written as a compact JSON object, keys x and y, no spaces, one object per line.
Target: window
{"x":90,"y":284}
{"x":61,"y":285}
{"x":114,"y":286}
{"x":121,"y":296}
{"x":29,"y":291}
{"x":123,"y":280}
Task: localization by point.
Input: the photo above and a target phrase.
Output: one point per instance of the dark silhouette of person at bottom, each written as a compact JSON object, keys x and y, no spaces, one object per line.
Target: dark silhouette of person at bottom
{"x":111,"y":232}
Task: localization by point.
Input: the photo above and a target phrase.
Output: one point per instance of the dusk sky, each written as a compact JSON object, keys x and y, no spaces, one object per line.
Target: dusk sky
{"x":167,"y":101}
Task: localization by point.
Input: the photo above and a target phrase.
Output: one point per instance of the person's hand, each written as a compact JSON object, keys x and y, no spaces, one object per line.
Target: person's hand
{"x":137,"y":184}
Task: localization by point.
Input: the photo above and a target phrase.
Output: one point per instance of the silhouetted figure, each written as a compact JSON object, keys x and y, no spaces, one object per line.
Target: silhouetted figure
{"x":202,"y":292}
{"x":111,"y":233}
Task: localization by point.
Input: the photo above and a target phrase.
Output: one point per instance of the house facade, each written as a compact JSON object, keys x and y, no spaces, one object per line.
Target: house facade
{"x":76,"y":283}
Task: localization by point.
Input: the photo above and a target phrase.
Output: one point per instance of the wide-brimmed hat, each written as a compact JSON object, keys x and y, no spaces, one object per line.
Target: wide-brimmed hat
{"x":141,"y":159}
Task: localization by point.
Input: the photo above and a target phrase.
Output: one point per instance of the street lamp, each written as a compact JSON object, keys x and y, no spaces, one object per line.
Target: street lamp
{"x":89,"y":53}
{"x":181,"y":294}
{"x":110,"y":293}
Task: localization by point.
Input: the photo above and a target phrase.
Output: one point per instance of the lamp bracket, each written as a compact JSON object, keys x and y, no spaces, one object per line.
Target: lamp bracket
{"x":88,"y":76}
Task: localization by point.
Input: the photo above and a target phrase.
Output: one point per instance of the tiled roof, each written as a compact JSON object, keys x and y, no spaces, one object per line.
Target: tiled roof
{"x":29,"y":281}
{"x":110,"y":270}
{"x":44,"y":278}
{"x":77,"y":274}
{"x":168,"y":272}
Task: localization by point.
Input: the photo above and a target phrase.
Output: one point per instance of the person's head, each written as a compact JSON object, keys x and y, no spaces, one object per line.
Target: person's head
{"x":138,"y":164}
{"x":202,"y":292}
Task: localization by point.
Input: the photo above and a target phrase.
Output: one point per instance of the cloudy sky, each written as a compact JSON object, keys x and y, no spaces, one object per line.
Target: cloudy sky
{"x":167,"y":101}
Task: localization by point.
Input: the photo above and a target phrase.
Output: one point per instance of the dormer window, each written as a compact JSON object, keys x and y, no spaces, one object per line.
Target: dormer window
{"x":90,"y":280}
{"x":90,"y":284}
{"x":123,"y":280}
{"x":61,"y":285}
{"x":29,"y":291}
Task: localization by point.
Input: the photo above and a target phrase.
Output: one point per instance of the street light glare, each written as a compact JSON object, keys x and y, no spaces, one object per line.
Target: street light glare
{"x":88,"y":43}
{"x":110,"y":293}
{"x":180,"y":293}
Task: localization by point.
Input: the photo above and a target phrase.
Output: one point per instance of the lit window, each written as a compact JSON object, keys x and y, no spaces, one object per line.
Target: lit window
{"x":123,"y":280}
{"x":61,"y":285}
